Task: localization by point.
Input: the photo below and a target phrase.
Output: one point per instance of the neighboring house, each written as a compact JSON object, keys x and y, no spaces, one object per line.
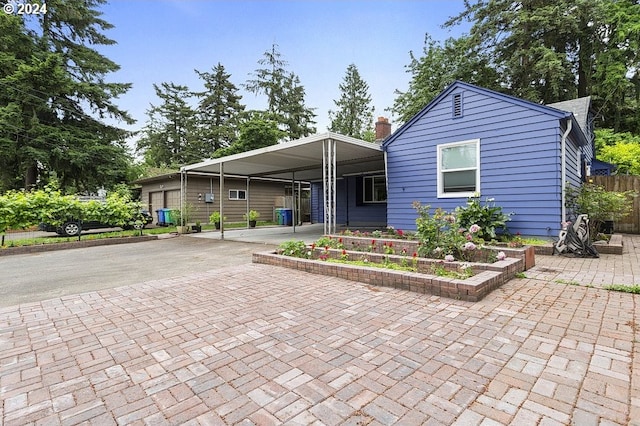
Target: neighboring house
{"x":203,"y":196}
{"x":470,"y":140}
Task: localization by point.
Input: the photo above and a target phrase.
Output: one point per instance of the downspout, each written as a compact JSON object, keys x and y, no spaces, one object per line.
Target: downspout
{"x":386,"y":183}
{"x":563,"y":176}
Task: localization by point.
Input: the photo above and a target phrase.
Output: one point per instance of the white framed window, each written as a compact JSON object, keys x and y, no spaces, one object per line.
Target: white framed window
{"x":459,"y":169}
{"x":237,"y":194}
{"x":374,"y":189}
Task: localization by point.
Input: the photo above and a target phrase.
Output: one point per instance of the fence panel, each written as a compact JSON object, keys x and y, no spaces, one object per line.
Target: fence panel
{"x":630,"y":224}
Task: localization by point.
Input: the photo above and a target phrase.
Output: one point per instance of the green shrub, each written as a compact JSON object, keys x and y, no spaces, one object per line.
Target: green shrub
{"x":487,"y":216}
{"x":294,"y":249}
{"x":599,"y":204}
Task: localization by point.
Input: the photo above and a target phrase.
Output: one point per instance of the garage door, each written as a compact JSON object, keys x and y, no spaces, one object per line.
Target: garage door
{"x":156,"y":201}
{"x":172,"y":199}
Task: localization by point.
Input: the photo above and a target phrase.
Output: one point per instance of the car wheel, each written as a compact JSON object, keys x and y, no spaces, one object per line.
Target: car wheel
{"x":71,"y":229}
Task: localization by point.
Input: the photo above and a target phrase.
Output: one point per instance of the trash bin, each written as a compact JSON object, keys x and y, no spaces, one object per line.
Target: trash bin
{"x":160,"y":213}
{"x":279,"y":217}
{"x":168,"y":217}
{"x":287,"y":217}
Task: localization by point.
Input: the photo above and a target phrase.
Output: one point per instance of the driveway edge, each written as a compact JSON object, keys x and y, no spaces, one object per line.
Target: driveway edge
{"x":7,"y":251}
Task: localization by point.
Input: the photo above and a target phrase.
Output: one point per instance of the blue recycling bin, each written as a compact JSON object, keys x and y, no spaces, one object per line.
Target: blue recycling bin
{"x":160,"y":214}
{"x":166,"y":217}
{"x":287,"y":217}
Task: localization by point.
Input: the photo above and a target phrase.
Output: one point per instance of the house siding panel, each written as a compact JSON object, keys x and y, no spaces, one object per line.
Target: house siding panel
{"x":261,"y":196}
{"x":519,"y":155}
{"x":349,"y":211}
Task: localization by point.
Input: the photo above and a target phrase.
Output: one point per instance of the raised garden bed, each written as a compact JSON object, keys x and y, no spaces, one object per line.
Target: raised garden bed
{"x":614,"y":246}
{"x":526,"y":253}
{"x":487,"y":276}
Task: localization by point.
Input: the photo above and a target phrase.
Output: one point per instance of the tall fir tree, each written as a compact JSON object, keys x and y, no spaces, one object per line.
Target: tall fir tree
{"x":553,"y":50}
{"x":354,"y":114}
{"x":54,"y":98}
{"x":285,"y":95}
{"x":169,"y":138}
{"x":218,"y":110}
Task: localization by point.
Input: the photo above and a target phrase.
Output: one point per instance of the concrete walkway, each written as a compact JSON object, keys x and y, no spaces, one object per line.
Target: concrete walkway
{"x":259,"y":345}
{"x":269,"y":234}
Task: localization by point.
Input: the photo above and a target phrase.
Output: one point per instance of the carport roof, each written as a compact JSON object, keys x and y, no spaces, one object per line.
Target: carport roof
{"x":302,"y":156}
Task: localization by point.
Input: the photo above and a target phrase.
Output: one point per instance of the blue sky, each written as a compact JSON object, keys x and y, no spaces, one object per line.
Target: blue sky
{"x":164,"y":41}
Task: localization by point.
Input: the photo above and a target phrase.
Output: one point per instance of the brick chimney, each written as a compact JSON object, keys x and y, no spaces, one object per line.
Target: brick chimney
{"x":383,"y":128}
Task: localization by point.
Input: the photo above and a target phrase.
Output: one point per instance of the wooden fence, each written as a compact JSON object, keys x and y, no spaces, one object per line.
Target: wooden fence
{"x":630,"y":224}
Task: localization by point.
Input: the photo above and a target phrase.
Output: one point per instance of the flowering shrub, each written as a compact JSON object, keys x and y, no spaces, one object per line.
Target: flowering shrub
{"x":488,"y":217}
{"x":295,"y":249}
{"x":442,"y":236}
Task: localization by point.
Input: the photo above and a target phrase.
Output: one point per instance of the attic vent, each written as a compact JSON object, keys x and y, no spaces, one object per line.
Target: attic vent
{"x":457,"y":105}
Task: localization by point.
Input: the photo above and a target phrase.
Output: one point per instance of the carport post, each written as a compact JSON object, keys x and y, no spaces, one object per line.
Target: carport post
{"x":293,"y":201}
{"x":221,"y":204}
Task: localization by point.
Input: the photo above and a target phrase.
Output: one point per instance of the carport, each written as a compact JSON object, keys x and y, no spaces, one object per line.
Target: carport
{"x":325,"y":157}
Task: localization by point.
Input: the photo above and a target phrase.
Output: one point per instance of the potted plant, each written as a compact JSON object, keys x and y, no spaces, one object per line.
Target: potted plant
{"x":197,"y":227}
{"x":176,"y":217}
{"x":252,"y":217}
{"x":215,"y":219}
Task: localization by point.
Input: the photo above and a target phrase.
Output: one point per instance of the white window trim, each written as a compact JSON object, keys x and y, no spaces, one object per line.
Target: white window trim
{"x":364,"y":189}
{"x":237,"y":191}
{"x":440,"y":181}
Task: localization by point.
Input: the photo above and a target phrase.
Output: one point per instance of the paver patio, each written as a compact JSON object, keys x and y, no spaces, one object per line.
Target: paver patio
{"x":261,"y":345}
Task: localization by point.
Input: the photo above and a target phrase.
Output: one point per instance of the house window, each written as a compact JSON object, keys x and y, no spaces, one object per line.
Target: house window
{"x":375,"y":189}
{"x":237,"y":194}
{"x":456,"y":107}
{"x":459,"y":169}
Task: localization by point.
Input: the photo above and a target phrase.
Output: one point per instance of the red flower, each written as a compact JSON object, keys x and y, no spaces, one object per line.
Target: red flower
{"x":326,"y":247}
{"x":344,"y":252}
{"x":340,"y":240}
{"x":399,"y":232}
{"x":373,"y":242}
{"x":390,"y":244}
{"x":313,"y":246}
{"x":415,"y":254}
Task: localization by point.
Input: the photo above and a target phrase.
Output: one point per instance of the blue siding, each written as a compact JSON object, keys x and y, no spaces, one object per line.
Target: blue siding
{"x":348,"y":210}
{"x":519,"y":156}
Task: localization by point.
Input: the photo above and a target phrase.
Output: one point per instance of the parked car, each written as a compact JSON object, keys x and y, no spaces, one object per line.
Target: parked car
{"x":73,"y":227}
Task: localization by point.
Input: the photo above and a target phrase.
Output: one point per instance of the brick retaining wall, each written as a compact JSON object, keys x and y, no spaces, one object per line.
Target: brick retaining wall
{"x":471,"y":289}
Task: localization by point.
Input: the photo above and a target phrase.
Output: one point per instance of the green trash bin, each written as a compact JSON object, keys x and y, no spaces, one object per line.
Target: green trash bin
{"x":279,"y":217}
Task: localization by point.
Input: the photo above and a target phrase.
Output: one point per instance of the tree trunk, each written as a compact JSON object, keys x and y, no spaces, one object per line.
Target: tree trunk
{"x":31,"y":177}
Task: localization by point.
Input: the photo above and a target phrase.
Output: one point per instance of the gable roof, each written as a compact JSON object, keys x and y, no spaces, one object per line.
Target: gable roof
{"x":580,"y":108}
{"x":456,"y":85}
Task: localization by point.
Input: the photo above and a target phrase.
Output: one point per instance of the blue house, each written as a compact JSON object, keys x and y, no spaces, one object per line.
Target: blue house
{"x":470,"y":140}
{"x":467,"y":141}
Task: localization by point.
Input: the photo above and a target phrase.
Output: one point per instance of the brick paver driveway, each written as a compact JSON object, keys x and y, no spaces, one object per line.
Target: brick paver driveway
{"x":254,"y":344}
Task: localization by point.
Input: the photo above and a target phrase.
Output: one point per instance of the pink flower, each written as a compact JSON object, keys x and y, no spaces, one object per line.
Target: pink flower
{"x":449,"y":258}
{"x":469,"y":246}
{"x":474,"y":228}
{"x":501,"y":255}
{"x":469,"y":237}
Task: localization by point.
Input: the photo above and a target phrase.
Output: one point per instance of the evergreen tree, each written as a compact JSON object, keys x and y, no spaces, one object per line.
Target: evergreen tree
{"x":218,"y":110}
{"x":439,"y":66}
{"x":285,"y":94}
{"x":169,"y":138}
{"x":53,"y":99}
{"x":542,"y":48}
{"x":354,"y":115}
